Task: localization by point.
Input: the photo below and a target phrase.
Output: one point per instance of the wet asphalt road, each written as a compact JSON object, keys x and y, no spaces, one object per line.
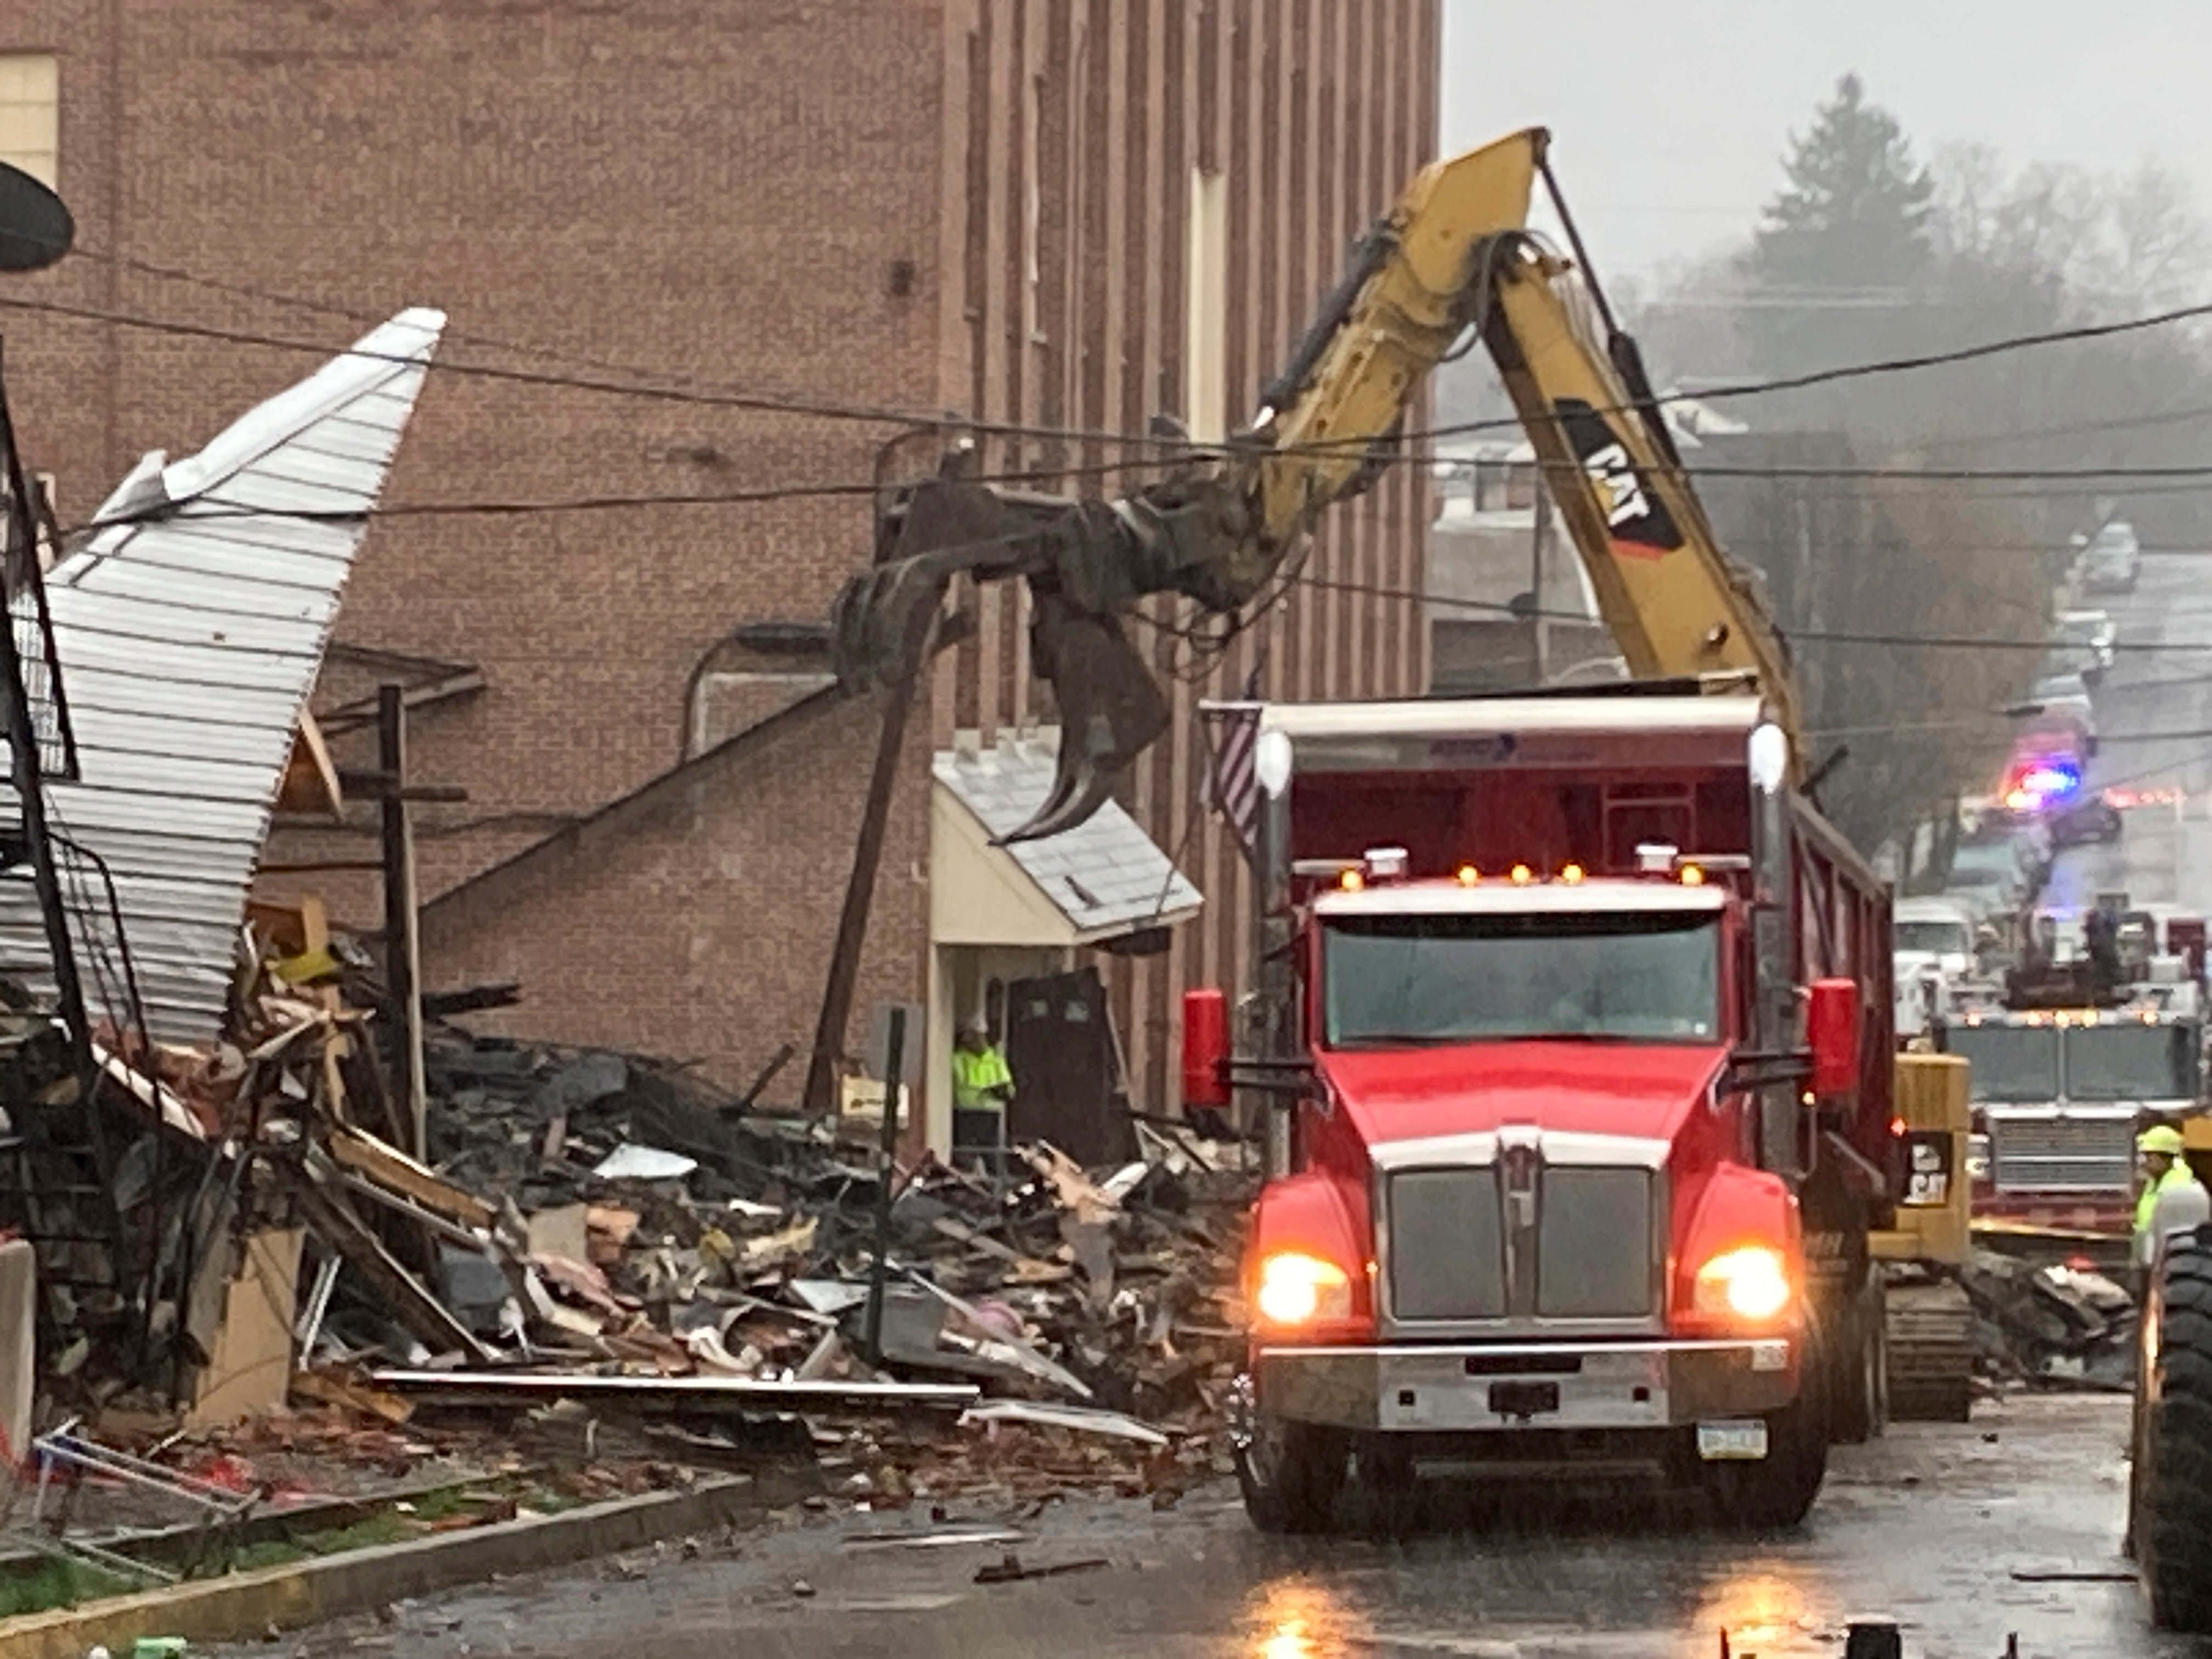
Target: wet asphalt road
{"x":1948,"y":1528}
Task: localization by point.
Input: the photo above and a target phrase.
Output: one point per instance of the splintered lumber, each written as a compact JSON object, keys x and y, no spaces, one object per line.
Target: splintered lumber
{"x":387,"y":1166}
{"x":422,"y":1314}
{"x":523,"y":1387}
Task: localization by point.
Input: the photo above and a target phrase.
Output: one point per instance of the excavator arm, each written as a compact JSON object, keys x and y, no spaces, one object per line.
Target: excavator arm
{"x":1454,"y":253}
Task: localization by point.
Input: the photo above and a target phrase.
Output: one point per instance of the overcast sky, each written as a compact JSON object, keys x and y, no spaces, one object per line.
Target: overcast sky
{"x":1669,"y":121}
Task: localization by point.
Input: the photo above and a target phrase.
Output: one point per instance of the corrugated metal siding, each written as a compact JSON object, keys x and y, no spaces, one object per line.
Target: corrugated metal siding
{"x":189,"y":638}
{"x":1072,"y":130}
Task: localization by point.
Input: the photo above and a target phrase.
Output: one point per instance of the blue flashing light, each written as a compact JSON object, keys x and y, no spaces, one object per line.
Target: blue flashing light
{"x":2044,"y":783}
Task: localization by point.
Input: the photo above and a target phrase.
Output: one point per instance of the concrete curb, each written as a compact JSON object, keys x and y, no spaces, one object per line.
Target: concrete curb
{"x":244,"y":1606}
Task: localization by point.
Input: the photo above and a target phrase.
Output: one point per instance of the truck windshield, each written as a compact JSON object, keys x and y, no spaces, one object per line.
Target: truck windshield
{"x":1936,"y":938}
{"x":2132,"y":1062}
{"x":1412,"y":980}
{"x":2008,"y":1062}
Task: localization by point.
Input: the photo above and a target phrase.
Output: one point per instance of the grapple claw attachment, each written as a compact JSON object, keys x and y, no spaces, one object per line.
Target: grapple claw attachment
{"x":1084,"y":561}
{"x":1110,"y":711}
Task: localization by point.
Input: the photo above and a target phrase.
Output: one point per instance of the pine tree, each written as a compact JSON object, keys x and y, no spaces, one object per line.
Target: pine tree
{"x":1856,"y":212}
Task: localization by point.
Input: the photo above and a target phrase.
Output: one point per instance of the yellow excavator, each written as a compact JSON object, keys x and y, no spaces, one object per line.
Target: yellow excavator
{"x":1454,"y":260}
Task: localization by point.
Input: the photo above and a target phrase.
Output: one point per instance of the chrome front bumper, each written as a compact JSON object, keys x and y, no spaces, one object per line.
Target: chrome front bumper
{"x":1503,"y":1387}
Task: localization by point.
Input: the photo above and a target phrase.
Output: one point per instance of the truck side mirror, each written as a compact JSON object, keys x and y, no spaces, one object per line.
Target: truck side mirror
{"x":1205,"y":1049}
{"x":1832,"y":1028}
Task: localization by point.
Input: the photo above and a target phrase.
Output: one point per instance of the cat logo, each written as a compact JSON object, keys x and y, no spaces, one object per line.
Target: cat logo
{"x":1636,"y":521}
{"x":1616,"y":476}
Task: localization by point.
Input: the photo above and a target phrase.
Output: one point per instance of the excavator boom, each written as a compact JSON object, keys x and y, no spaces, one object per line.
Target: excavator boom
{"x":1454,"y":253}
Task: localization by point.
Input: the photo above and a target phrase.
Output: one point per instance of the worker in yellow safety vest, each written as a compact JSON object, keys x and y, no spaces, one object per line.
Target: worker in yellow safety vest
{"x":982,"y":1084}
{"x":2172,"y":1199}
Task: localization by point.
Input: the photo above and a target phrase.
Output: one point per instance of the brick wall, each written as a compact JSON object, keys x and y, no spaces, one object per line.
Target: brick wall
{"x":968,"y":204}
{"x":742,"y":193}
{"x":1083,"y":122}
{"x":692,"y":923}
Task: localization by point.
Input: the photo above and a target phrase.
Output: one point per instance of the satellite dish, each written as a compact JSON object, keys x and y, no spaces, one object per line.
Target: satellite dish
{"x":35,"y":228}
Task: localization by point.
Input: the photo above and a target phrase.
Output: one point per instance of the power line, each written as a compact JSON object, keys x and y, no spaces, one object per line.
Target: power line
{"x":2072,"y":429}
{"x":775,"y":403}
{"x":831,"y":490}
{"x":1859,"y":371}
{"x":790,"y":404}
{"x":206,"y":509}
{"x":1827,"y":636}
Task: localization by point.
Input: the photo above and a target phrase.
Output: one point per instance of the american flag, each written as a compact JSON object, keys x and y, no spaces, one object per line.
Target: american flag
{"x":1232,"y":730}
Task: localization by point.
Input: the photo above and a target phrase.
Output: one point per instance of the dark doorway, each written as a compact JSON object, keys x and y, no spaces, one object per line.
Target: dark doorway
{"x":1060,"y":1048}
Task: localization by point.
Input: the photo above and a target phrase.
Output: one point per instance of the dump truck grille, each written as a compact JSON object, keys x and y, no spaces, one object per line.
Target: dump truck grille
{"x":2062,"y":1154}
{"x":1578,"y":1244}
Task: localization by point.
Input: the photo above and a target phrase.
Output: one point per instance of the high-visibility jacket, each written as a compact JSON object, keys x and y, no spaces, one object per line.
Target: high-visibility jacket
{"x":2175,"y":1200}
{"x":975,"y":1076}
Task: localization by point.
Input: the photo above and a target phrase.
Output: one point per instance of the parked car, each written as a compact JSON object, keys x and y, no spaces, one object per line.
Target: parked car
{"x":2093,"y":628}
{"x":2067,"y":694}
{"x":1941,"y":930}
{"x":2092,"y":821}
{"x":1990,"y":877}
{"x":2084,"y":642}
{"x":2112,"y":560}
{"x":2058,"y":717}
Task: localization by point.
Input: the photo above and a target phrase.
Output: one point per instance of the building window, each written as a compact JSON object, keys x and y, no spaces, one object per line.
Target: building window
{"x":30,"y":113}
{"x":1206,"y":310}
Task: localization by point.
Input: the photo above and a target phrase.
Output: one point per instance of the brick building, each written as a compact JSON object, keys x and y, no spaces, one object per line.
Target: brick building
{"x":1063,"y":214}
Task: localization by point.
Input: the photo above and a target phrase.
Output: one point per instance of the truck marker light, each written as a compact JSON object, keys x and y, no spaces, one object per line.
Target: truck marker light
{"x":1897,"y":1126}
{"x":1751,"y":1282}
{"x":1296,"y":1288}
{"x":1351,"y":881}
{"x":1469,"y":876}
{"x":1522,"y":875}
{"x":1570,"y":873}
{"x":1692,"y":876}
{"x":1387,"y":863}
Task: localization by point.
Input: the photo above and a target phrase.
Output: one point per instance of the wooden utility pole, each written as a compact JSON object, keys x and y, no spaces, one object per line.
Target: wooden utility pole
{"x":403,"y":959}
{"x":860,"y":885}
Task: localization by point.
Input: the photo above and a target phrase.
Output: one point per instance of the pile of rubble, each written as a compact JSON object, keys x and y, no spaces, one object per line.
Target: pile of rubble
{"x":2052,"y":1326}
{"x":610,"y":1231}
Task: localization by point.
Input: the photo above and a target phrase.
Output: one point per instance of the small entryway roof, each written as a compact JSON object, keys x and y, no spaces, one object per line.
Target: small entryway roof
{"x":1106,"y":877}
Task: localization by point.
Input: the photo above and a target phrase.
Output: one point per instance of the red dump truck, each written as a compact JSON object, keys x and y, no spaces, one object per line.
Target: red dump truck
{"x":1573,"y":1034}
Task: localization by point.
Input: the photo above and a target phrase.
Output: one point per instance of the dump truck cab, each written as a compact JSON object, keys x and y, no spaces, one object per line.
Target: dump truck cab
{"x":1578,"y":1137}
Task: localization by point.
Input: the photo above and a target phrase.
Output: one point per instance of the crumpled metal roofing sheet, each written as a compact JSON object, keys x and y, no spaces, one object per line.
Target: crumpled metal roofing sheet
{"x":1106,"y":875}
{"x":190,"y":629}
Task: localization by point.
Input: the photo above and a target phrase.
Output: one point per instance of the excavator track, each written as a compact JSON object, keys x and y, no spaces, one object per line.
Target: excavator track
{"x":1929,"y":1327}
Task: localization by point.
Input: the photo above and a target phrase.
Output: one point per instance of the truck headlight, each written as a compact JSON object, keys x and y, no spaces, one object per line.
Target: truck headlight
{"x":1749,"y":1282}
{"x":1297,"y":1289}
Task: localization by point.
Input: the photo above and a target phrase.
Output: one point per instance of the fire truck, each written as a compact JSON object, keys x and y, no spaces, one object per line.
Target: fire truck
{"x":2070,"y":1063}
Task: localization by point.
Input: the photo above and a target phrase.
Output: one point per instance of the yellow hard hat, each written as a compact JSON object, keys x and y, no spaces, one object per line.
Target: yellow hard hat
{"x":2159,"y":1138}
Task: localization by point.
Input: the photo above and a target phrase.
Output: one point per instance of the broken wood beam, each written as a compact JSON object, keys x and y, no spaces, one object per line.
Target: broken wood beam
{"x":424,"y":1317}
{"x":477,"y":999}
{"x":388,"y":1167}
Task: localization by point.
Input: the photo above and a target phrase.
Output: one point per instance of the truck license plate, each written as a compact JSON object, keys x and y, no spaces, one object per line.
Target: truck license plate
{"x":1525,"y":1400}
{"x":1731,"y":1442}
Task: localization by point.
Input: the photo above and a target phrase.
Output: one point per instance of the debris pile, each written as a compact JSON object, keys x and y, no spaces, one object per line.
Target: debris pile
{"x":2052,"y":1326}
{"x":612,"y":1231}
